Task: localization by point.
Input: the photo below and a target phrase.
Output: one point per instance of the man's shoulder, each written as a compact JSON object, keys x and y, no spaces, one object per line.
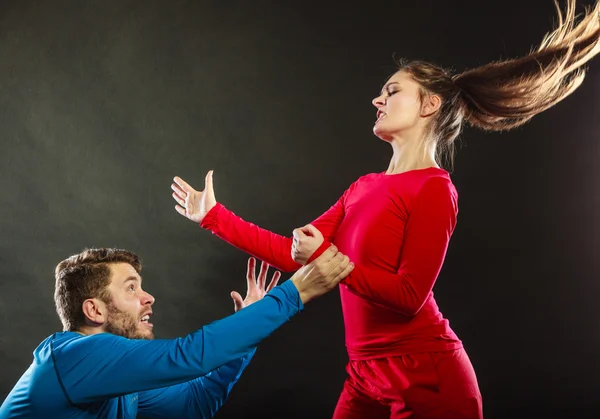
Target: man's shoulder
{"x":56,"y":340}
{"x":68,"y":343}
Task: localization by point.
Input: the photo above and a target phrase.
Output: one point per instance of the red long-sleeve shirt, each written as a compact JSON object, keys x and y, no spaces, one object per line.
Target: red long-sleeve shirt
{"x":396,"y":229}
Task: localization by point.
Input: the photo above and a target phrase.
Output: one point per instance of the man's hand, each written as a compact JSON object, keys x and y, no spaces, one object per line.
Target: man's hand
{"x":306,"y":241}
{"x":191,"y":203}
{"x":256,"y":287}
{"x":322,"y":274}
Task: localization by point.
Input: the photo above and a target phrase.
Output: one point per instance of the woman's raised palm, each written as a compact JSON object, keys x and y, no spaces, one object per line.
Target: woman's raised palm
{"x":191,"y":203}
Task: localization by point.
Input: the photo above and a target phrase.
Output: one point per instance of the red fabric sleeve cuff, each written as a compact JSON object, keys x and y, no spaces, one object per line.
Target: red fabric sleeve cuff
{"x":324,"y":246}
{"x":210,"y":220}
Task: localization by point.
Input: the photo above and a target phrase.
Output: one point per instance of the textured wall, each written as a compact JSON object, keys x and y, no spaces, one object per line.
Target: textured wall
{"x":103,"y":102}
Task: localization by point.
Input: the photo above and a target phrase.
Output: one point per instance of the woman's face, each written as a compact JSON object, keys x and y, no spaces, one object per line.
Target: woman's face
{"x":398,"y":106}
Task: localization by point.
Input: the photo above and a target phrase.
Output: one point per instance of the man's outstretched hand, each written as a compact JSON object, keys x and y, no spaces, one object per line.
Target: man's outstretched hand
{"x":256,"y":286}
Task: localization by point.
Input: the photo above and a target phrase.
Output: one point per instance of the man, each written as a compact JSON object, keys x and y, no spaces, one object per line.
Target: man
{"x":105,"y":364}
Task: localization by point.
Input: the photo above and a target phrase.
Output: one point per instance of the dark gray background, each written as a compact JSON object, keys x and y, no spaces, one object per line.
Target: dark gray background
{"x":103,"y":102}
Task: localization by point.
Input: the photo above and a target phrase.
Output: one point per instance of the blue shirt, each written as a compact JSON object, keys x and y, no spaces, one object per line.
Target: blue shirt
{"x":109,"y":376}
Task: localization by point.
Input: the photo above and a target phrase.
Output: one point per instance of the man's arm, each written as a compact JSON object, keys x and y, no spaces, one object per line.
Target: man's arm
{"x":202,"y":397}
{"x":102,"y":366}
{"x":198,"y":398}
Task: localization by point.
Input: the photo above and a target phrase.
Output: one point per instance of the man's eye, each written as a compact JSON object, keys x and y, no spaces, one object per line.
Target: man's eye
{"x":131,"y":287}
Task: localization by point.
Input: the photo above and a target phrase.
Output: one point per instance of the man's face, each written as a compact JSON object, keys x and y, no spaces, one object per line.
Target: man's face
{"x":131,"y":307}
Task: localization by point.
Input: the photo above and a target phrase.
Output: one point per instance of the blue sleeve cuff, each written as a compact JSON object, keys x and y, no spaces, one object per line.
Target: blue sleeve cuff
{"x":289,"y":292}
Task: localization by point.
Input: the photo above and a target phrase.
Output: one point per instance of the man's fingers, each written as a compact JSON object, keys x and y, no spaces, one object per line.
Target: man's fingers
{"x":238,"y":302}
{"x":328,"y":261}
{"x":335,"y":262}
{"x":183,"y":184}
{"x":340,"y":270}
{"x":344,"y":273}
{"x":274,"y":281}
{"x":180,"y":210}
{"x":251,"y":273}
{"x":262,"y":275}
{"x":338,"y":264}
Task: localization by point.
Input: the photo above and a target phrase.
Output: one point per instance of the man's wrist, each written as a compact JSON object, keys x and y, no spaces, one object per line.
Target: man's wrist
{"x":304,"y":295}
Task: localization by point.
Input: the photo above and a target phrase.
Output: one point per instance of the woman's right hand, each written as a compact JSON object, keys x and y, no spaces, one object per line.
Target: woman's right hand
{"x":306,"y":241}
{"x":191,"y":203}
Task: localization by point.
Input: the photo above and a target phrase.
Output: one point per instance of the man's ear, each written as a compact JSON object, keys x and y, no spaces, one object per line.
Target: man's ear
{"x":95,"y":310}
{"x":430,"y":105}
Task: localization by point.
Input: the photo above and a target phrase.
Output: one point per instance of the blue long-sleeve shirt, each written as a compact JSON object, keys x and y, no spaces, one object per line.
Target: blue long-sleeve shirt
{"x":109,"y":376}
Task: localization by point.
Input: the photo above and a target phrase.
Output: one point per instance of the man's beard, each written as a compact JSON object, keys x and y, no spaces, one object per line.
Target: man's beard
{"x":123,"y":324}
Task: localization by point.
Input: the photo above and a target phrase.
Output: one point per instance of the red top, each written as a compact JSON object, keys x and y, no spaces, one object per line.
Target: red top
{"x":396,"y":229}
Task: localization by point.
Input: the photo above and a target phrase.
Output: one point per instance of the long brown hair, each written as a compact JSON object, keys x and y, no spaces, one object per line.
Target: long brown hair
{"x":504,"y":94}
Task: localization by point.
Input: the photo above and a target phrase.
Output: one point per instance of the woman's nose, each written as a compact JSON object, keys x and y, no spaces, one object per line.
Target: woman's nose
{"x":378,"y":101}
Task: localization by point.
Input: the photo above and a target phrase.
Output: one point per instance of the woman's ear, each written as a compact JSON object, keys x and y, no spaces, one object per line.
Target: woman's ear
{"x":431,"y":104}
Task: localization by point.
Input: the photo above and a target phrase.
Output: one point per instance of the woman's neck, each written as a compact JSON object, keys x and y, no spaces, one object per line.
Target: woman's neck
{"x":411,"y":155}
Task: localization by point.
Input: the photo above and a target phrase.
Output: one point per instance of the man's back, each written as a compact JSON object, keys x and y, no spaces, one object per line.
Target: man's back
{"x":40,"y":393}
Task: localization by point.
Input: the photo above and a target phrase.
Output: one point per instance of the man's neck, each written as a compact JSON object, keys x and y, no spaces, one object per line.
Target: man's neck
{"x":87,"y":331}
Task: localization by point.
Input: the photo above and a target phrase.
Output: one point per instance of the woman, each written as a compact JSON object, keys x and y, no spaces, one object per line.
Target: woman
{"x":404,"y":359}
